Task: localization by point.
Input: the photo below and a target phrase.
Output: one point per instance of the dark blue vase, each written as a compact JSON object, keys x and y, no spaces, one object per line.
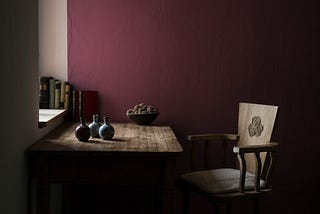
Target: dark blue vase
{"x":94,"y":126}
{"x":106,"y":131}
{"x":82,"y":132}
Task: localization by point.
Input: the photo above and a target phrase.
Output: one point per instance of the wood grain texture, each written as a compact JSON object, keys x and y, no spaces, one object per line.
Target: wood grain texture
{"x":137,"y":155}
{"x":247,"y":111}
{"x":255,"y":127}
{"x":128,"y":137}
{"x":212,"y":137}
{"x":267,"y":147}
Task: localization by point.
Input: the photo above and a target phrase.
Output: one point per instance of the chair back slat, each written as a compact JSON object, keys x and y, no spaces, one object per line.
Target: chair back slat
{"x":255,"y":125}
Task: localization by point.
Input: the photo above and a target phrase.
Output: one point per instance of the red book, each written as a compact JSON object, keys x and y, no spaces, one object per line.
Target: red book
{"x":85,"y":104}
{"x":75,"y":106}
{"x":89,"y":104}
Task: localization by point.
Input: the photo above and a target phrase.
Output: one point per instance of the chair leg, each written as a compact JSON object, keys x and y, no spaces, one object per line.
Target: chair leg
{"x":216,"y":207}
{"x":157,"y":200}
{"x":185,"y":201}
{"x":256,"y":206}
{"x":228,"y":208}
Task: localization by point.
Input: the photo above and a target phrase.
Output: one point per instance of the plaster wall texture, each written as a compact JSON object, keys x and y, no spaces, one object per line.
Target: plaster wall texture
{"x":196,"y":60}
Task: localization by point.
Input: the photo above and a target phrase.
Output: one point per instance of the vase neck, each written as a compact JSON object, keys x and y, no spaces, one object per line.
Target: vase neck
{"x":106,"y":120}
{"x":96,"y":118}
{"x":83,"y":120}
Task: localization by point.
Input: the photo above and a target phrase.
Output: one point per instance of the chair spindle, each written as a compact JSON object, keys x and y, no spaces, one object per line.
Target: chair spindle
{"x":206,"y":160}
{"x":270,"y":168}
{"x":257,"y":172}
{"x":243,"y":170}
{"x":192,"y":153}
{"x":224,"y":152}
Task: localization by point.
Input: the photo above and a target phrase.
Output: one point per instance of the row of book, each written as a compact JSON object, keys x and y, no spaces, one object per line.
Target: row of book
{"x":56,"y":94}
{"x":85,"y":104}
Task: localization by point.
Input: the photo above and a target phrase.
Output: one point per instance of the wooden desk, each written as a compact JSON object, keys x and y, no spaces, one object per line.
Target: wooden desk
{"x":137,"y":155}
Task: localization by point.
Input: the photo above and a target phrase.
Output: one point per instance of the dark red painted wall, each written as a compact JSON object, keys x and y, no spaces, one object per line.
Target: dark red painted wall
{"x":197,"y":59}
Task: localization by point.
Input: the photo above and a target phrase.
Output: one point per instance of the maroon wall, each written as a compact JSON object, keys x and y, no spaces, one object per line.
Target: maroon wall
{"x":197,"y":59}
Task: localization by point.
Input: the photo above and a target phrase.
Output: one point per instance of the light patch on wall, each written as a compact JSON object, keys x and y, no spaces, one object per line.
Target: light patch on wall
{"x":53,"y":38}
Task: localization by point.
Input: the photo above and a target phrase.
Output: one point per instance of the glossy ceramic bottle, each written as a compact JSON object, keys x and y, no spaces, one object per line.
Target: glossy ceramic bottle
{"x":106,"y":131}
{"x":94,"y":126}
{"x":82,"y":132}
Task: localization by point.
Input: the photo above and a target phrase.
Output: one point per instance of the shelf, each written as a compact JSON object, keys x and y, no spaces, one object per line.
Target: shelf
{"x":48,"y":116}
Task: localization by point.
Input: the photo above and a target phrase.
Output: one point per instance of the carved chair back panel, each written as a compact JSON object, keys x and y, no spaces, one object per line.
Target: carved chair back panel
{"x":255,"y":125}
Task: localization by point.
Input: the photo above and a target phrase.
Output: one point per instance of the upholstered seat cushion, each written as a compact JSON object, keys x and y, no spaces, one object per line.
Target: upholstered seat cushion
{"x":220,"y":180}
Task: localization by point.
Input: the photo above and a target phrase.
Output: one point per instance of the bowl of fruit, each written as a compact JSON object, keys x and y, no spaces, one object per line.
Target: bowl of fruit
{"x":143,"y":114}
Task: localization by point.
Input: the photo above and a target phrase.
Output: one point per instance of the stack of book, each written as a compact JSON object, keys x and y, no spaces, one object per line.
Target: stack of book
{"x":56,"y":94}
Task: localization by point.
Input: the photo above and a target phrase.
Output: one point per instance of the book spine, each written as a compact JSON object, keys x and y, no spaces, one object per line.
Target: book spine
{"x":90,"y":104}
{"x":74,"y":104}
{"x":57,"y":94}
{"x":44,"y":92}
{"x":51,"y":93}
{"x":67,"y":96}
{"x":80,"y":104}
{"x":62,"y":94}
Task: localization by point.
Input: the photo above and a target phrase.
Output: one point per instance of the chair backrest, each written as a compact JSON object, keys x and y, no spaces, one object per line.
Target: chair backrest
{"x":255,"y":125}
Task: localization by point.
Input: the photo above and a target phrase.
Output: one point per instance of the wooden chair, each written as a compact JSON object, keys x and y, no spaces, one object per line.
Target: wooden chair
{"x":250,"y":179}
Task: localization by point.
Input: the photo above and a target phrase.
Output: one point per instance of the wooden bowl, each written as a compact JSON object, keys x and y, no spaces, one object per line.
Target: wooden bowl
{"x":143,"y":119}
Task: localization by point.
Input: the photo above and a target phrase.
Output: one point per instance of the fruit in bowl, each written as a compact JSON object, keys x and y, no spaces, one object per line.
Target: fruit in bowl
{"x":143,"y":114}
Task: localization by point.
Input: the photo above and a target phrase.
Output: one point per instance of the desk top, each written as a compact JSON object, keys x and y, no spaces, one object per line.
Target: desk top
{"x":128,"y":138}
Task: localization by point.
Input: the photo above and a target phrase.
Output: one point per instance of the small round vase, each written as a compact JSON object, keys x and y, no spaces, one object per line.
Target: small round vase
{"x":106,"y":131}
{"x":94,"y":126}
{"x":82,"y":132}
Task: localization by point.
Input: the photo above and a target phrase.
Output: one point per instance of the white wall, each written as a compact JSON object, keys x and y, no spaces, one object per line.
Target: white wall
{"x":19,"y":106}
{"x":19,"y":100}
{"x":53,"y":38}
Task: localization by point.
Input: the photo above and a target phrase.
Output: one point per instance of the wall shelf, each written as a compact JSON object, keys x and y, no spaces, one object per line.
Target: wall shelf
{"x":48,"y":116}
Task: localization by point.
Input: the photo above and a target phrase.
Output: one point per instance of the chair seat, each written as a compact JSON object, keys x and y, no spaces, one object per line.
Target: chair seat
{"x":217,"y":181}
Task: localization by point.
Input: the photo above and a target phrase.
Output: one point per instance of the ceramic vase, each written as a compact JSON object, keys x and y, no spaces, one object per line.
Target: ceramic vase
{"x":82,"y":132}
{"x":106,"y":131}
{"x":94,"y":126}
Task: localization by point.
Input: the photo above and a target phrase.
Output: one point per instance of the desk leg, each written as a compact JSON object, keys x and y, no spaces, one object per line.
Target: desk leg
{"x":43,"y":186}
{"x":168,"y":190}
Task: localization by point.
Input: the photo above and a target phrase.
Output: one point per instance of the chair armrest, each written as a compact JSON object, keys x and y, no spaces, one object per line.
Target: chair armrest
{"x":201,"y":137}
{"x":268,"y":147}
{"x":206,"y":138}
